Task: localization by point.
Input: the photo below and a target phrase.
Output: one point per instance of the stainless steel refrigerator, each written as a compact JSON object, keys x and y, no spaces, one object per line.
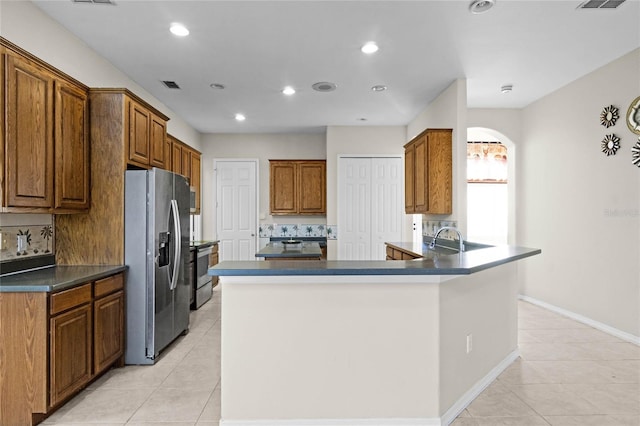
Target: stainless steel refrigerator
{"x":156,"y":251}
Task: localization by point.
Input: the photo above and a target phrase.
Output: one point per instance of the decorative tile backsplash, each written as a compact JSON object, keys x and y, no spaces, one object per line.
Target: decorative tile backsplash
{"x":19,"y":242}
{"x":430,"y":227}
{"x":268,"y":230}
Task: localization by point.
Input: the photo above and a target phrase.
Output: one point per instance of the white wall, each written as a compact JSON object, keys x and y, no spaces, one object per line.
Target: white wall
{"x":23,"y":24}
{"x":369,"y":140}
{"x":449,"y":110}
{"x":308,"y":146}
{"x":579,"y":206}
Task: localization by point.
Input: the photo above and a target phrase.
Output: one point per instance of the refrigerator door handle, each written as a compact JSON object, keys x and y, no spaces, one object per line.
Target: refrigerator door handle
{"x":178,"y":242}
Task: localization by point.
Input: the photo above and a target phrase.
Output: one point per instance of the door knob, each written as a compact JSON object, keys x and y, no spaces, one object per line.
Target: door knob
{"x":253,"y":235}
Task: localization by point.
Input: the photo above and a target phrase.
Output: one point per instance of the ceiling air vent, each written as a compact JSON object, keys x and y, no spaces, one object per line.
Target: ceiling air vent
{"x":600,"y":4}
{"x":94,"y":1}
{"x":170,"y":84}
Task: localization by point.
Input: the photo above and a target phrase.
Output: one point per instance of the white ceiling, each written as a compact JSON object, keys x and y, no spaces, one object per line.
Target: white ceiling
{"x":255,"y":48}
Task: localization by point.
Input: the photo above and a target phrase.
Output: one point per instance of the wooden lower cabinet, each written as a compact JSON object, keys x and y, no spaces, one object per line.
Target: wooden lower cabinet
{"x":108,"y":331}
{"x":55,"y":344}
{"x":395,"y":253}
{"x":70,"y":352}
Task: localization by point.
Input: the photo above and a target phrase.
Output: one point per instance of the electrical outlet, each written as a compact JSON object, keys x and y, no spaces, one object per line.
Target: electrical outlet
{"x":469,"y":343}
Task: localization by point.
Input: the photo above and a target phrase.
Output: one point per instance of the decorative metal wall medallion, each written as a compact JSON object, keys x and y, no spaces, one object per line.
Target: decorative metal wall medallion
{"x":633,"y":116}
{"x":635,"y":153}
{"x":609,"y":116}
{"x":610,"y":144}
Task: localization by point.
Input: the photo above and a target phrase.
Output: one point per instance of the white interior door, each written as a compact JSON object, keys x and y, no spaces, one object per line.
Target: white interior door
{"x":236,"y":206}
{"x":370,"y":206}
{"x":387,"y":204}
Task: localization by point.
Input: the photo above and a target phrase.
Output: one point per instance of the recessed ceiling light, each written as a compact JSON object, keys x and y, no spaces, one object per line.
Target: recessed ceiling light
{"x":288,"y":90}
{"x":379,"y":88}
{"x":481,"y":6}
{"x":217,"y":86}
{"x":507,"y":88}
{"x":179,"y":29}
{"x":240,"y":117}
{"x":324,"y":86}
{"x":369,"y":48}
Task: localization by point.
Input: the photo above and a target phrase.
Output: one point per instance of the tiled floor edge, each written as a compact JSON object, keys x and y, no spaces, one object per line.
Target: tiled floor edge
{"x":628,"y":337}
{"x":335,"y":422}
{"x":450,"y":415}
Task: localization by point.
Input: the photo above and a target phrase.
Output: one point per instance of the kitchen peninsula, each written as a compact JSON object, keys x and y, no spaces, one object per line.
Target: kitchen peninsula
{"x":365,"y":342}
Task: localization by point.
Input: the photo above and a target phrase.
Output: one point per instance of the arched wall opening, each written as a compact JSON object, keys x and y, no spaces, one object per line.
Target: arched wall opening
{"x":491,"y":135}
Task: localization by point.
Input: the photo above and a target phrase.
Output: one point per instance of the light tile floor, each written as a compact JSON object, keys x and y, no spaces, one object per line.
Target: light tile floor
{"x":568,"y":374}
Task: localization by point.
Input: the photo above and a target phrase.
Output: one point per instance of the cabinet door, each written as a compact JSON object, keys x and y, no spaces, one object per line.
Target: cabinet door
{"x":72,"y":161}
{"x":176,"y":157}
{"x":421,"y":178}
{"x":139,"y":127}
{"x":409,"y":179}
{"x":168,"y":153}
{"x":157,"y":142}
{"x":29,"y":144}
{"x":70,"y":347}
{"x":282,"y":191}
{"x":195,"y":177}
{"x":439,"y":173}
{"x":312,"y":187}
{"x":186,"y":163}
{"x":108,"y":330}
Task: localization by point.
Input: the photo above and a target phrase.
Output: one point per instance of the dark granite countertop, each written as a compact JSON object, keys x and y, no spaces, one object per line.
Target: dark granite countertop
{"x":280,"y":250}
{"x":55,"y":278}
{"x":433,"y":264}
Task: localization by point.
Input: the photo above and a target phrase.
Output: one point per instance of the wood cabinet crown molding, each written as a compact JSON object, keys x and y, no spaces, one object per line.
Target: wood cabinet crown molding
{"x":34,"y":59}
{"x":128,"y":93}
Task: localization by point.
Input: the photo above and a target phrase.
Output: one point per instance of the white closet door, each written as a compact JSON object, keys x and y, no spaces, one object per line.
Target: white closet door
{"x":370,"y":206}
{"x":386,"y":204}
{"x":354,"y":203}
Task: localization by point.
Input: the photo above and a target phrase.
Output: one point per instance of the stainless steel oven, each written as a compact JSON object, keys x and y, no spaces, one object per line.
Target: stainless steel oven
{"x":202,"y":282}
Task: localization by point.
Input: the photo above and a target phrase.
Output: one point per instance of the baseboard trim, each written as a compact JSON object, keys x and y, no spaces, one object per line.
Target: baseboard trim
{"x":466,"y":399}
{"x":334,"y":422}
{"x":628,"y":337}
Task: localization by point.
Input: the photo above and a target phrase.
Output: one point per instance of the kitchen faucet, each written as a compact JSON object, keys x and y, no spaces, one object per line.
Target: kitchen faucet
{"x":432,"y":245}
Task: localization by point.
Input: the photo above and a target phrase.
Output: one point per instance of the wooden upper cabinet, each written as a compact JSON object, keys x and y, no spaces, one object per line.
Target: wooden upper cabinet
{"x":157,"y":143}
{"x":139,"y":134}
{"x":176,"y":156}
{"x":45,"y":124}
{"x":195,"y":177}
{"x":409,"y":178}
{"x":283,"y":187}
{"x":71,"y":147}
{"x":146,"y":141}
{"x":428,"y":172}
{"x":29,"y":134}
{"x":297,"y":187}
{"x":187,"y":162}
{"x":312,"y":181}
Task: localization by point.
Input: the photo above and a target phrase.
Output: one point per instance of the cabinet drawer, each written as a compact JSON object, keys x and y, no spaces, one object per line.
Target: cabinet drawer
{"x":109,"y":285}
{"x":70,"y":298}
